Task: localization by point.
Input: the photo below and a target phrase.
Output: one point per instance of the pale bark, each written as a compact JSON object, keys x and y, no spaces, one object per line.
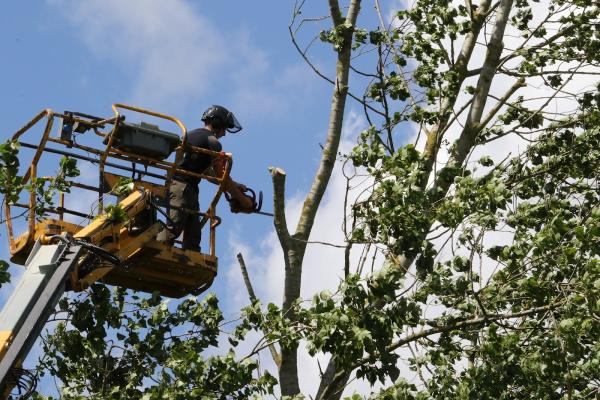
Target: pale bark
{"x":288,"y":369}
{"x":294,"y":246}
{"x":473,"y":125}
{"x":280,"y":222}
{"x":253,"y":298}
{"x":328,"y":388}
{"x":461,"y":68}
{"x":520,"y":83}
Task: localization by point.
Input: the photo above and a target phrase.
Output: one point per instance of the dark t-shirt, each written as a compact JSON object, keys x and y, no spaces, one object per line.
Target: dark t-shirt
{"x":197,"y":162}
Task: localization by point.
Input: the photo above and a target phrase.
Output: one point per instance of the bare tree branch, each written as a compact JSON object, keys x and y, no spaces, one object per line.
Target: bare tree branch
{"x":336,"y":14}
{"x":335,"y":128}
{"x":253,"y":298}
{"x":304,"y":55}
{"x":278,"y":177}
{"x":502,"y":101}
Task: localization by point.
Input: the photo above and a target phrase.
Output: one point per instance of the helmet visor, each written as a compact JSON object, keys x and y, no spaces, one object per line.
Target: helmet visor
{"x":233,"y":125}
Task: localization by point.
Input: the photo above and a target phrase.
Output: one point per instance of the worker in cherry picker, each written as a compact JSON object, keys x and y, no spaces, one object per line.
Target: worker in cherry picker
{"x":184,"y":188}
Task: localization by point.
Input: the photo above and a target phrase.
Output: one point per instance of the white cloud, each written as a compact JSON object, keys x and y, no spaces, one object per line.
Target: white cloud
{"x":171,"y":52}
{"x":175,"y":57}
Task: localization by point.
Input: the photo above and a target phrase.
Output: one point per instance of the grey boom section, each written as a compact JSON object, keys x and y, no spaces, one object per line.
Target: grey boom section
{"x":33,"y":300}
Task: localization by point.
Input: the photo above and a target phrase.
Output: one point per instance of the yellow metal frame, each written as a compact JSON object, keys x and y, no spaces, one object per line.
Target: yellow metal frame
{"x":123,"y":245}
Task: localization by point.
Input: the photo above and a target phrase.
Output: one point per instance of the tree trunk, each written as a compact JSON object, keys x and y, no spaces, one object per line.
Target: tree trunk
{"x":466,"y":141}
{"x":332,"y":387}
{"x":461,"y":68}
{"x":294,"y":246}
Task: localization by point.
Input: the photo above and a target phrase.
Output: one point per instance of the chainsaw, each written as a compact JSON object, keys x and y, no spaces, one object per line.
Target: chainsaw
{"x":256,"y":206}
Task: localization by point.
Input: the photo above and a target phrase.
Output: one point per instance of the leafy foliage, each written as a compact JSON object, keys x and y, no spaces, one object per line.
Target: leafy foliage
{"x":4,"y":275}
{"x":549,"y":197}
{"x":46,"y":188}
{"x":124,"y":186}
{"x":116,"y":213}
{"x":119,"y":345}
{"x":9,"y":169}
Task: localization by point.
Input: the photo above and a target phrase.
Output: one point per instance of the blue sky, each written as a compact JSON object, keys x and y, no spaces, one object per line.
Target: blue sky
{"x":178,"y":57}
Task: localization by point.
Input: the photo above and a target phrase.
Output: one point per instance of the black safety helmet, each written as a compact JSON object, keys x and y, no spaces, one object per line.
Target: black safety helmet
{"x":219,"y":117}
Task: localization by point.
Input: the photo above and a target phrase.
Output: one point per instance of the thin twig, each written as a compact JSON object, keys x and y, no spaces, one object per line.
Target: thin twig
{"x":253,"y":298}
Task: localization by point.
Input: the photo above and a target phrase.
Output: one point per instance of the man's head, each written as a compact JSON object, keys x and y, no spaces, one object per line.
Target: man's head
{"x":218,"y":119}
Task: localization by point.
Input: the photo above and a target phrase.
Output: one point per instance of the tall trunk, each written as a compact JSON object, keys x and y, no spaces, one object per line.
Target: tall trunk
{"x":466,"y":141}
{"x":294,"y":246}
{"x":332,"y":386}
{"x":288,"y":371}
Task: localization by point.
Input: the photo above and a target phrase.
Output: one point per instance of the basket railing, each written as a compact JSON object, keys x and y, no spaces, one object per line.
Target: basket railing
{"x":110,"y":157}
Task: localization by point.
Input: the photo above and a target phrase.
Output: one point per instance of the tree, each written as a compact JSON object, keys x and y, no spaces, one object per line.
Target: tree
{"x":490,"y":282}
{"x":512,"y":325}
{"x":435,"y":225}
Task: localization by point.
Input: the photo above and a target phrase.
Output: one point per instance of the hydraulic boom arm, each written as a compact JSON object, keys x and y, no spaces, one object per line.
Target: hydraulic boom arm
{"x":27,"y":310}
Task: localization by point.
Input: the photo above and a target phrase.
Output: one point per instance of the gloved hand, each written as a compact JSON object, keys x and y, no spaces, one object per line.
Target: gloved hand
{"x":218,"y":165}
{"x":244,"y":204}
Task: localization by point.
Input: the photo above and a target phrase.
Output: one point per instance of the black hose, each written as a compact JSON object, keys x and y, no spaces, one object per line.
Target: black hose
{"x":24,"y":380}
{"x":92,"y":248}
{"x":97,"y":251}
